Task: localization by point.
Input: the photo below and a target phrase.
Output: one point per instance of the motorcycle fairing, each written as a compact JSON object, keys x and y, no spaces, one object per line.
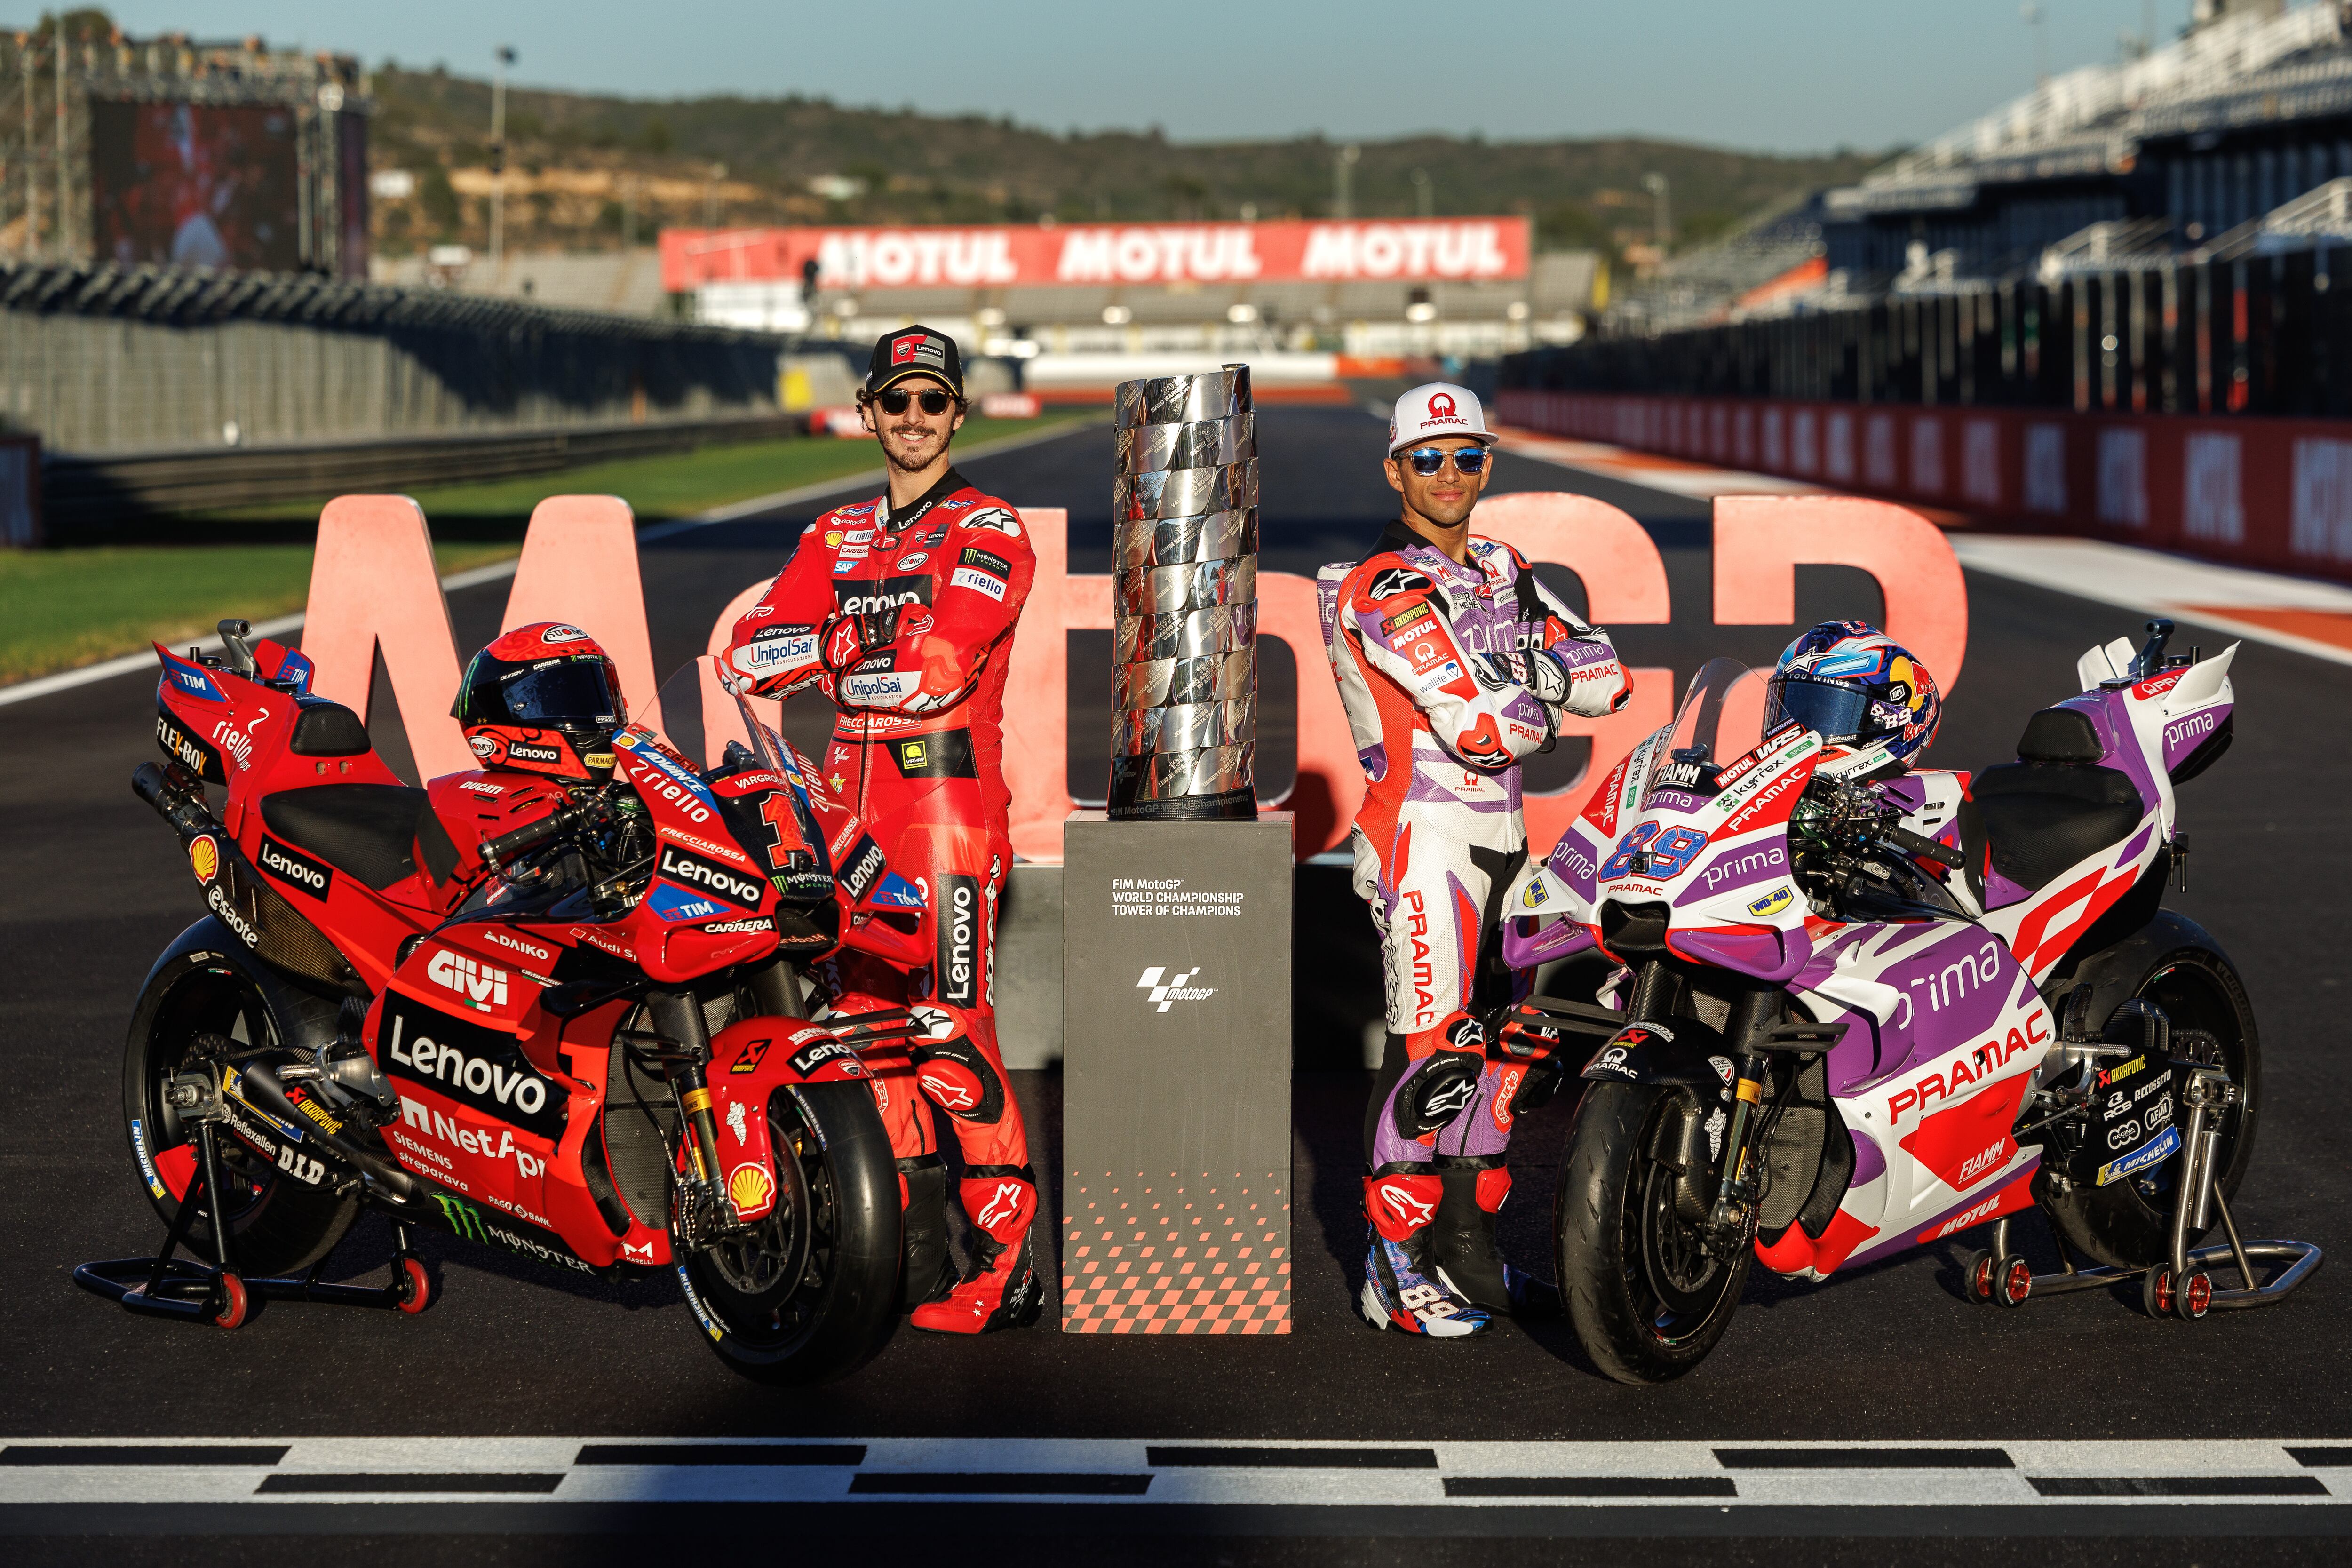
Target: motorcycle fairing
{"x":750,"y":1060}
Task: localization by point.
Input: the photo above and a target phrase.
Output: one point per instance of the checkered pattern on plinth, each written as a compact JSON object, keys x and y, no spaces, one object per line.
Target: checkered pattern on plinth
{"x":1205,"y":1254}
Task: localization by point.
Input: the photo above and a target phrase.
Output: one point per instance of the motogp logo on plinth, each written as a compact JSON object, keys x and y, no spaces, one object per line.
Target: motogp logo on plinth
{"x":1177,"y":988}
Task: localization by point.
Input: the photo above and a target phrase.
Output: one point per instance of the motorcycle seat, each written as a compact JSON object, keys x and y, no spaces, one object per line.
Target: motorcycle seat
{"x":2043,"y":817}
{"x":377,"y":833}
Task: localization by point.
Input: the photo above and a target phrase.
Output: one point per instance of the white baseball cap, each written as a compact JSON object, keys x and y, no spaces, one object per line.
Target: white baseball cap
{"x":1437,"y":408}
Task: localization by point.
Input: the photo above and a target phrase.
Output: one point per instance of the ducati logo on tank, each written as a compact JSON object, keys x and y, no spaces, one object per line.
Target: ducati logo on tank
{"x":478,"y":1068}
{"x":959,"y":917}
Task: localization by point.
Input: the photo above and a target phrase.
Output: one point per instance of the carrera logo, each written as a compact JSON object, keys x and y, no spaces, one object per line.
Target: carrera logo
{"x":736,"y":928}
{"x":889,"y":593}
{"x":709,"y":876}
{"x":482,"y":985}
{"x":299,"y":870}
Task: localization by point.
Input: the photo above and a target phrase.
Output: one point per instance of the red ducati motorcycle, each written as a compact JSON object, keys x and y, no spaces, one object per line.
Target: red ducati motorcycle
{"x":565,"y":1021}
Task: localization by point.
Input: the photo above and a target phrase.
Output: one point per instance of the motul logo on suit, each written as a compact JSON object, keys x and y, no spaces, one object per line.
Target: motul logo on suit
{"x":960,"y":941}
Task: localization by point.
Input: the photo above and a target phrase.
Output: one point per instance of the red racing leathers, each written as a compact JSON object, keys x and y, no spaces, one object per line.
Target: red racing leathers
{"x":1451,"y":673}
{"x":905,"y":619}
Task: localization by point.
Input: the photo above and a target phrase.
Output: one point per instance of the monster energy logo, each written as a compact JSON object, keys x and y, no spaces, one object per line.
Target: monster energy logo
{"x":464,"y":1218}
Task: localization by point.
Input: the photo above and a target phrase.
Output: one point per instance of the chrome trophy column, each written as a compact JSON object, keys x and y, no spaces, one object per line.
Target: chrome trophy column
{"x":1184,"y":595}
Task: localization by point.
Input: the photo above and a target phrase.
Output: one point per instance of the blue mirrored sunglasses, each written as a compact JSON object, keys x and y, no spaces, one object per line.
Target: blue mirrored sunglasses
{"x":1427,"y":460}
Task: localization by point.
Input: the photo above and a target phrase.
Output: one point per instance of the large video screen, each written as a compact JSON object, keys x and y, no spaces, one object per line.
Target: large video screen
{"x":188,"y":184}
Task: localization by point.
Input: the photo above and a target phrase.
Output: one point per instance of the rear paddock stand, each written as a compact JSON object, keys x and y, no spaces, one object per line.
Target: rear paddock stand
{"x":2182,"y":1286}
{"x":169,"y":1286}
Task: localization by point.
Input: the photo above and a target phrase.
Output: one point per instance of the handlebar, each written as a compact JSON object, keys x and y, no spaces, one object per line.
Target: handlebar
{"x":531,"y":835}
{"x":1910,"y":843}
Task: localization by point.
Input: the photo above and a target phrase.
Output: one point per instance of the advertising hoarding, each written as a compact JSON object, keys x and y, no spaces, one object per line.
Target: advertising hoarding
{"x":1032,"y":256}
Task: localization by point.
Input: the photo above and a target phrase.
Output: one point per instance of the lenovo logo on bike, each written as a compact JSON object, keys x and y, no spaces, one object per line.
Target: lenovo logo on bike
{"x":865,"y":865}
{"x":481,"y":986}
{"x":1176,"y":988}
{"x":299,"y":869}
{"x":820,"y":1051}
{"x":476,"y":1066}
{"x":709,"y":876}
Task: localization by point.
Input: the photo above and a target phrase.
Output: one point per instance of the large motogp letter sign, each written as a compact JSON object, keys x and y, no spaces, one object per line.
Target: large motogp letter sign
{"x":372,"y":586}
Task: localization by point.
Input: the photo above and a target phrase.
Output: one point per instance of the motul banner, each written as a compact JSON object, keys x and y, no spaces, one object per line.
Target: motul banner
{"x":1415,"y":250}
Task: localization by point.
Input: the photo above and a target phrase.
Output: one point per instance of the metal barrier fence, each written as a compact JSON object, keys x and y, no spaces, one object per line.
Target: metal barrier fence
{"x":2250,"y":334}
{"x":108,"y":361}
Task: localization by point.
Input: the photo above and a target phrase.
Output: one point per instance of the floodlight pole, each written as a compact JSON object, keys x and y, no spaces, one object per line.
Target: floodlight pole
{"x":506,"y":57}
{"x":65,"y":172}
{"x":1658,"y":186}
{"x":32,"y":150}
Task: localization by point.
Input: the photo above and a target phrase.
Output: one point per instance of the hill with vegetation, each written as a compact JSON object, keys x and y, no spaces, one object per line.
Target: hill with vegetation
{"x":583,"y":170}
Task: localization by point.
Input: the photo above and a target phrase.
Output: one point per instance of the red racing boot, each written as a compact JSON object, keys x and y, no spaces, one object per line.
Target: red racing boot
{"x":1003,"y":1291}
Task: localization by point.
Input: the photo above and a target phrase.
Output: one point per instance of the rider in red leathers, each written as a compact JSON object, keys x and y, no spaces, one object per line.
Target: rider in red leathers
{"x":901,"y":610}
{"x":1454,"y":664}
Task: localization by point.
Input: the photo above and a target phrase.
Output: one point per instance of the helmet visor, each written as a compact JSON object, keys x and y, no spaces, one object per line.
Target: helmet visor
{"x":1836,"y":710}
{"x":570,"y":693}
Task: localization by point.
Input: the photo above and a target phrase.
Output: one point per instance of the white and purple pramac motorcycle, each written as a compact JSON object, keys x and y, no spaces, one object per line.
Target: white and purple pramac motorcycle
{"x":1836,"y":1036}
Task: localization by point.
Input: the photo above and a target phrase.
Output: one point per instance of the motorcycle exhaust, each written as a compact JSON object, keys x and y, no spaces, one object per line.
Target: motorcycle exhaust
{"x":376,"y":1172}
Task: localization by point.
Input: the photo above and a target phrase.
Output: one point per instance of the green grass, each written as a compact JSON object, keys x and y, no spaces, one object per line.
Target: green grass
{"x":170,"y":581}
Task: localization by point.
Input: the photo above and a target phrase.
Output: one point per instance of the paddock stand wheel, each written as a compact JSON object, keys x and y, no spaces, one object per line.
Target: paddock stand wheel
{"x":2156,"y":1293}
{"x":233,"y":1303}
{"x":2012,"y":1280}
{"x":413,"y":1284}
{"x":2194,"y":1297}
{"x":1976,"y":1277}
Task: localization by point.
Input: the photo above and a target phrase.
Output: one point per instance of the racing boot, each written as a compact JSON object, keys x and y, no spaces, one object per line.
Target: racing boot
{"x":1403,"y":1287}
{"x":1003,"y":1292}
{"x":926,"y":1271}
{"x":1463,"y":1245}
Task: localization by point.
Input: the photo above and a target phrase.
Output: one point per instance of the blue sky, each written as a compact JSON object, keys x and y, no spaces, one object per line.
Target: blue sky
{"x":1776,"y":74}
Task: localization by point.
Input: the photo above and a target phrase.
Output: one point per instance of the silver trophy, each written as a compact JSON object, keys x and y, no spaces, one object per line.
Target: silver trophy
{"x":1184,"y":593}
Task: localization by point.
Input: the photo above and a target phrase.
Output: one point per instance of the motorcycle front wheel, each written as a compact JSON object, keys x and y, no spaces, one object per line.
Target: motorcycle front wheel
{"x":811,"y":1292}
{"x":1646,"y":1300}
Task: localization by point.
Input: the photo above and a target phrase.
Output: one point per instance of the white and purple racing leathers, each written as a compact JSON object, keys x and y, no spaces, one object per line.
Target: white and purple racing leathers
{"x":1450,"y":674}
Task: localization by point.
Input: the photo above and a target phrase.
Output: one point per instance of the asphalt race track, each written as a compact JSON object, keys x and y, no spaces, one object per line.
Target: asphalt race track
{"x":1891,"y":1356}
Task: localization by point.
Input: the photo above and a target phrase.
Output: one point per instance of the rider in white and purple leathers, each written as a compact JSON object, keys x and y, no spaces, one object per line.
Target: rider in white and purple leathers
{"x":1454,"y":664}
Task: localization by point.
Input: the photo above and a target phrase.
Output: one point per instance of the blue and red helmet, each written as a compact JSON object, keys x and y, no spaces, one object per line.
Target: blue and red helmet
{"x":1860,"y":688}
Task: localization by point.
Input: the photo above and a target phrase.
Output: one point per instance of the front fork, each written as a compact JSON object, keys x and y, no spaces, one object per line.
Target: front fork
{"x":704,"y":1209}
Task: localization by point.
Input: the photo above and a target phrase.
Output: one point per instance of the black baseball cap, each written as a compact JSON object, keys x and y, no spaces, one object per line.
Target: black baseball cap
{"x":915,"y":350}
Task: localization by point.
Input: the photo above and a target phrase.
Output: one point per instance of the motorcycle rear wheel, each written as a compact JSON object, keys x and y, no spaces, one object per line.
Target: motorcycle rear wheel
{"x":1646,"y":1302}
{"x":2128,"y":1224}
{"x":276,"y":1226}
{"x":812,"y":1293}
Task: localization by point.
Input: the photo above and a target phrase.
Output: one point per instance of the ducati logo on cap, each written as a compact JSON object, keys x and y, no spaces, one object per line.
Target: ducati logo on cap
{"x":904,"y":351}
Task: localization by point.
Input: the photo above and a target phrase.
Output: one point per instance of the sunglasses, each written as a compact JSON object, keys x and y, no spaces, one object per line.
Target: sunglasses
{"x":895,"y":402}
{"x":1469,"y":462}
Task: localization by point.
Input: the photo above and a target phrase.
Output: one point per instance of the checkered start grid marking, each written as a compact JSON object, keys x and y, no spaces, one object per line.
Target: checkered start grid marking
{"x":1143,"y":1255}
